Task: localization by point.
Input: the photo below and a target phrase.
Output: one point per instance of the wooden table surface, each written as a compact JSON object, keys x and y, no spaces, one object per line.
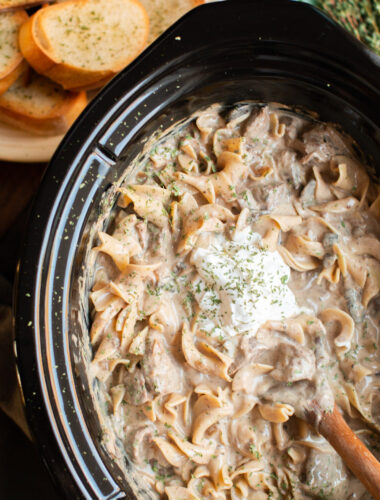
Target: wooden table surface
{"x":18,"y":185}
{"x":22,"y":475}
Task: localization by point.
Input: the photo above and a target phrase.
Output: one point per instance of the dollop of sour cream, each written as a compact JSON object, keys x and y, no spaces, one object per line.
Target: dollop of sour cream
{"x":240,"y":285}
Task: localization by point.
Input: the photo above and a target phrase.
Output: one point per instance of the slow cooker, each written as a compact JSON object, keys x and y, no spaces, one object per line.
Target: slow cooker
{"x":263,"y":50}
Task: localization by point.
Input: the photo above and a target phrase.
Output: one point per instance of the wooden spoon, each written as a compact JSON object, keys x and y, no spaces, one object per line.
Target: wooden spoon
{"x":354,"y":453}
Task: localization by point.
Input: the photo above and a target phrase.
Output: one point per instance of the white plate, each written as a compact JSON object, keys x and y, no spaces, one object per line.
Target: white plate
{"x":21,"y":146}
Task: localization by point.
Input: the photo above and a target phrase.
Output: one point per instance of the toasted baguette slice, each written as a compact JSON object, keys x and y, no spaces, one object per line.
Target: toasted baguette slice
{"x":83,"y":43}
{"x":9,"y":80}
{"x":12,"y":62}
{"x":163,"y":13}
{"x":38,"y":105}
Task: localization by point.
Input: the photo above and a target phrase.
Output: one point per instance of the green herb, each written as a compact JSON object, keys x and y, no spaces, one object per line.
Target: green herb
{"x":360,"y":17}
{"x":254,"y":451}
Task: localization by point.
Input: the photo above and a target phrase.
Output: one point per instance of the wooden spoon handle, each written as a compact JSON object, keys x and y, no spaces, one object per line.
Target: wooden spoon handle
{"x":354,"y":453}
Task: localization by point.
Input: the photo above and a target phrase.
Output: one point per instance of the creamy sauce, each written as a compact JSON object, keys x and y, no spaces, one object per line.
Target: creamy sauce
{"x":236,"y":290}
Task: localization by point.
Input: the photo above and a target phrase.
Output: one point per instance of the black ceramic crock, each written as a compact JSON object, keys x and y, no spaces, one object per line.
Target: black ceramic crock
{"x":265,"y":50}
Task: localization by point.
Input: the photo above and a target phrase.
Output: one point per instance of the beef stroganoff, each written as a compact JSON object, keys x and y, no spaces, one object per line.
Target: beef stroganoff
{"x":236,"y":290}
